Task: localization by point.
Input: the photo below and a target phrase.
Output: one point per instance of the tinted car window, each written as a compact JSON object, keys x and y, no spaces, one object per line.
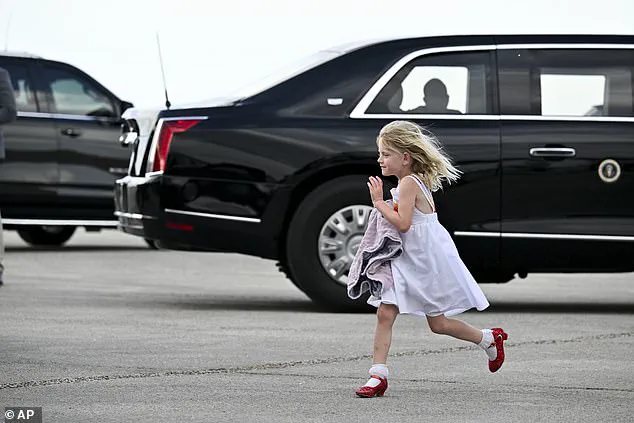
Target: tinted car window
{"x":22,"y":87}
{"x":567,"y":82}
{"x":75,"y":95}
{"x":447,"y":83}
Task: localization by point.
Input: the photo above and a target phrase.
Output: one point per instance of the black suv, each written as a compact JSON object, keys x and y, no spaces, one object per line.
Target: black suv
{"x":542,"y":127}
{"x":62,"y":154}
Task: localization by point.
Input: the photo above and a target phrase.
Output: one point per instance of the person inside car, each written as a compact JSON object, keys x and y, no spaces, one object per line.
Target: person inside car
{"x":436,"y":99}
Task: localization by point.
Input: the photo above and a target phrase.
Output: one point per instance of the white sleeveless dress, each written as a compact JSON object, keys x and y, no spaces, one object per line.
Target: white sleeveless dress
{"x":430,"y":278}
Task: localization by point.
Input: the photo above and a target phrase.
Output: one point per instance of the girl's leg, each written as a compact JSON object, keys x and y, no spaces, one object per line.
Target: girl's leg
{"x":456,"y":328}
{"x":491,"y":341}
{"x":385,"y":318}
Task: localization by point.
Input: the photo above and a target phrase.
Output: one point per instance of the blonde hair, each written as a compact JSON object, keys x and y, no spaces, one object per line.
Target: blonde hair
{"x":429,"y":161}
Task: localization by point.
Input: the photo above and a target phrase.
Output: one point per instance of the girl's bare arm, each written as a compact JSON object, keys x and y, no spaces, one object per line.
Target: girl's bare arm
{"x":401,"y":219}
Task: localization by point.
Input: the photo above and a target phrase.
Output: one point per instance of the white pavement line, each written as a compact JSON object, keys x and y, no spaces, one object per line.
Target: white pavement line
{"x":281,"y":365}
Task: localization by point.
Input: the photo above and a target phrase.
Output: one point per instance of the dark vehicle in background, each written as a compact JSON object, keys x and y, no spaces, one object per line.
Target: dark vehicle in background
{"x":62,"y":154}
{"x":542,"y":127}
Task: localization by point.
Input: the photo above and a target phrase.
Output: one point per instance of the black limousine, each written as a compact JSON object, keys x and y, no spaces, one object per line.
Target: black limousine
{"x":542,"y":127}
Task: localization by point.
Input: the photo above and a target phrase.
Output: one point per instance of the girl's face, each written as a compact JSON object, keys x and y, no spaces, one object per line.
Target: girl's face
{"x":392,"y":162}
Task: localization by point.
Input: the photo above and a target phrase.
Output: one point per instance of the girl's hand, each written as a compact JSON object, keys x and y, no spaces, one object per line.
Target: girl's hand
{"x":376,"y":189}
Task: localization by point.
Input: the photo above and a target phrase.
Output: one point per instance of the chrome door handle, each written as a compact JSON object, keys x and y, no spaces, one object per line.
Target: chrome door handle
{"x":552,"y":152}
{"x":118,"y":170}
{"x":71,"y":132}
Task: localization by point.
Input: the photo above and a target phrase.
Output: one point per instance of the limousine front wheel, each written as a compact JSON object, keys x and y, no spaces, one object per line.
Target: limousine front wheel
{"x":322,"y":239}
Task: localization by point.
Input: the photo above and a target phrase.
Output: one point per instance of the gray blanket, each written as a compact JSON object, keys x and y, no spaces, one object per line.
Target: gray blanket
{"x":370,"y":269}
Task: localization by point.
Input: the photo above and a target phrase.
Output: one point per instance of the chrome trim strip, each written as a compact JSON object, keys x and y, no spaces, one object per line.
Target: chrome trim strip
{"x":568,"y":118}
{"x":564,"y":45}
{"x":123,"y":227}
{"x":118,"y":170}
{"x":133,"y":215}
{"x":480,"y":234}
{"x":55,"y":222}
{"x":214,"y":216}
{"x":186,"y":118}
{"x":546,"y":236}
{"x":150,"y":157}
{"x":359,"y":110}
{"x":151,"y":174}
{"x":419,"y":116}
{"x":362,"y":106}
{"x":63,"y":116}
{"x":34,"y":114}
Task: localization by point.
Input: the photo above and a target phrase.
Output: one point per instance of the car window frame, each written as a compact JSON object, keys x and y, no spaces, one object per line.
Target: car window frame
{"x":409,"y":66}
{"x":359,"y":110}
{"x":536,"y":60}
{"x":45,"y":88}
{"x":14,"y":61}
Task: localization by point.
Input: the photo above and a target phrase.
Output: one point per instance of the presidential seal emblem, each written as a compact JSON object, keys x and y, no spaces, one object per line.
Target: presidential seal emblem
{"x":609,"y":170}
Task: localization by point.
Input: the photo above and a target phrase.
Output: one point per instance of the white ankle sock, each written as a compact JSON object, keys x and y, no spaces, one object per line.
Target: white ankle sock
{"x":488,"y":345}
{"x":379,"y":370}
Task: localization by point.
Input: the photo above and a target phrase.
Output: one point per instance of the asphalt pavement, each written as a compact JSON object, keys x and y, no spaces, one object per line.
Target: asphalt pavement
{"x":108,"y":330}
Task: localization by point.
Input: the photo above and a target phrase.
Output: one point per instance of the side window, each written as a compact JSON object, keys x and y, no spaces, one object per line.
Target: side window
{"x":445,"y":83}
{"x":22,"y":87}
{"x":75,"y":95}
{"x":564,"y":83}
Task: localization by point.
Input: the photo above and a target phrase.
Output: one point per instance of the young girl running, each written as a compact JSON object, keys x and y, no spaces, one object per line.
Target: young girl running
{"x":430,"y":279}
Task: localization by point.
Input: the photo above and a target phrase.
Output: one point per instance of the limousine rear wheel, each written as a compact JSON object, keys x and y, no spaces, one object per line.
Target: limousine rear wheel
{"x":152,"y":244}
{"x":49,"y":236}
{"x":332,"y":218}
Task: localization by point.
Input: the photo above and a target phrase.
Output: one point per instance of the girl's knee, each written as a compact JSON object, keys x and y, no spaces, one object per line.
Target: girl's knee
{"x":386,"y":314}
{"x":438,"y":324}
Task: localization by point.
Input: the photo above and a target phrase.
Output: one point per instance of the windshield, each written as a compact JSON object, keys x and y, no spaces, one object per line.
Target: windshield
{"x":295,"y":68}
{"x":283,"y":74}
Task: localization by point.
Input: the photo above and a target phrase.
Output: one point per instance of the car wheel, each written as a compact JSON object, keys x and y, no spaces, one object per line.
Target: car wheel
{"x":151,"y":243}
{"x":283,"y":268}
{"x":492,"y":276}
{"x":322,"y":239}
{"x":47,"y":236}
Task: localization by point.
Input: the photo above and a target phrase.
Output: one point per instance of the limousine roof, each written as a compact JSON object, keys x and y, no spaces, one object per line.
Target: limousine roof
{"x":447,"y":40}
{"x":23,"y":54}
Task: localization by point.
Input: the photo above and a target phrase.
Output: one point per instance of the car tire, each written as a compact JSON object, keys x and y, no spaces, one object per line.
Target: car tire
{"x":283,"y":268}
{"x":46,"y":236}
{"x":492,"y":276}
{"x":154,"y":245}
{"x":303,"y":264}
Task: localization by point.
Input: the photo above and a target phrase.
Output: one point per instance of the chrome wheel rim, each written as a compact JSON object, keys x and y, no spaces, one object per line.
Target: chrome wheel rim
{"x":339,"y":240}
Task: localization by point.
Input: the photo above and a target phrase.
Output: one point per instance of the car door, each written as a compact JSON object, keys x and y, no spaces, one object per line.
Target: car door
{"x":30,"y":172}
{"x":87,"y":119}
{"x":452,"y":92}
{"x":568,"y":156}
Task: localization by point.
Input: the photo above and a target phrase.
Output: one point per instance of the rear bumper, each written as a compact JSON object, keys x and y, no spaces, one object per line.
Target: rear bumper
{"x":141,"y":212}
{"x":137,"y":205}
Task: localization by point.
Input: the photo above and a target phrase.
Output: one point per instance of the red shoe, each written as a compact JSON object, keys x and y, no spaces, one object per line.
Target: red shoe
{"x":377,"y":391}
{"x":499,"y":336}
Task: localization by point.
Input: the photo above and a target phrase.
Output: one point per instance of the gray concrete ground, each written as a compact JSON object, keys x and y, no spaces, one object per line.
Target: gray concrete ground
{"x":107,"y":330}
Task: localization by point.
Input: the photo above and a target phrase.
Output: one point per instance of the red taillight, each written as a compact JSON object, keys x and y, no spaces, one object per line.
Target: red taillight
{"x":168,"y":129}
